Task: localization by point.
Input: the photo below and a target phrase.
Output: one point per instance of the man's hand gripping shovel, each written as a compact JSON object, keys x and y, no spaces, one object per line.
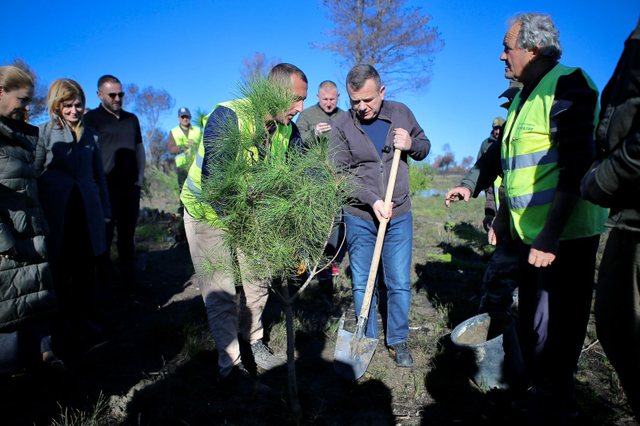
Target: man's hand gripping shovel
{"x":354,"y":350}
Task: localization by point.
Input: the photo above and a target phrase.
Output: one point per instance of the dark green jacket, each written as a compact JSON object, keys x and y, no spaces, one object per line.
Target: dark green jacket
{"x":615,"y":181}
{"x":26,"y":286}
{"x":312,"y":116}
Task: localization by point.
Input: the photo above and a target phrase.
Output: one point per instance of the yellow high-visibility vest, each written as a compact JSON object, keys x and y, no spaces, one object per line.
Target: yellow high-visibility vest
{"x":184,"y":159}
{"x":530,"y":165}
{"x":192,"y":188}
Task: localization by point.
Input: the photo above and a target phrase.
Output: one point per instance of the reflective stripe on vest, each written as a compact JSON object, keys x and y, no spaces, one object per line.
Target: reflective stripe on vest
{"x":184,"y":159}
{"x":192,"y":188}
{"x":530,"y":165}
{"x":496,"y":192}
{"x":529,"y":160}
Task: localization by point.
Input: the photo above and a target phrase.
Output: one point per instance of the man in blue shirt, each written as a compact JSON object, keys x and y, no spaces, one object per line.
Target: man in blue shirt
{"x":362,"y":143}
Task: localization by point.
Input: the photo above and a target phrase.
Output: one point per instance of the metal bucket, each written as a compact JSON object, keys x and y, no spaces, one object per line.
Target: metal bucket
{"x":493,"y":356}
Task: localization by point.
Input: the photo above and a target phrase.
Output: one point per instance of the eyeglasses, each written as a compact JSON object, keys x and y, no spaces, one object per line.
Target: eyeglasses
{"x":185,"y":116}
{"x":114,"y":95}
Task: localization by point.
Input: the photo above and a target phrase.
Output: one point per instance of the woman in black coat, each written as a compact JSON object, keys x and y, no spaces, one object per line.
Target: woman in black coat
{"x":75,"y":200}
{"x":27,"y":298}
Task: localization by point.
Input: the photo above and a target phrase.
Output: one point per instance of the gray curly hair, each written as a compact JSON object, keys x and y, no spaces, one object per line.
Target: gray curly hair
{"x":538,"y":30}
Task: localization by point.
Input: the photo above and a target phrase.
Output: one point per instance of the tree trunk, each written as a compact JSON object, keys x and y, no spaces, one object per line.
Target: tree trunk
{"x":294,"y":402}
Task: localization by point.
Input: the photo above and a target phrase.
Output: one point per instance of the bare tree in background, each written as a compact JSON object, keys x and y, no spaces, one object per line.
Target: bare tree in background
{"x":157,"y":142}
{"x":257,"y":65}
{"x":38,"y":107}
{"x":444,"y":162}
{"x":397,"y":40}
{"x":467,"y":162}
{"x":149,"y":104}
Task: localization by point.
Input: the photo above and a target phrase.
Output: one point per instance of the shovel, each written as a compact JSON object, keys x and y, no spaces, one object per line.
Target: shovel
{"x":355,"y":350}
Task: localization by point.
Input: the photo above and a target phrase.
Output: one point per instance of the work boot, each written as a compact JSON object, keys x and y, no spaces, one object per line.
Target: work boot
{"x":401,"y":355}
{"x":241,"y":382}
{"x":264,"y":356}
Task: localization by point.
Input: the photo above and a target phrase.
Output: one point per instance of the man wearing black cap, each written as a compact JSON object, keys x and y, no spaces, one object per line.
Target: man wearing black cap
{"x":490,"y":207}
{"x":183,"y":140}
{"x":499,"y":280}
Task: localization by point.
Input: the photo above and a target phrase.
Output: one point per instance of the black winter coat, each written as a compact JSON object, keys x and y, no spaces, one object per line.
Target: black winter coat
{"x":26,"y":285}
{"x":615,"y":182}
{"x":63,"y":164}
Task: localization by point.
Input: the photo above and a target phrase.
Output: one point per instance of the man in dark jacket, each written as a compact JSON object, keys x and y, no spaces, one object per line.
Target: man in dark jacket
{"x":123,"y":157}
{"x":490,"y":205}
{"x":615,"y":183}
{"x":362,"y":144}
{"x":314,"y":123}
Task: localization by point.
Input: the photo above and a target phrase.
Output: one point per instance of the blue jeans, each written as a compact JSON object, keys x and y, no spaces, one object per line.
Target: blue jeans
{"x":396,"y":269}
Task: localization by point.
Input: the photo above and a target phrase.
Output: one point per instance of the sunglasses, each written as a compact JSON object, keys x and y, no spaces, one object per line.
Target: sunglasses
{"x":185,"y":116}
{"x":114,"y":95}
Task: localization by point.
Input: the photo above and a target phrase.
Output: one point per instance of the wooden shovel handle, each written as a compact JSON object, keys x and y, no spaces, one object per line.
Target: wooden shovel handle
{"x":366,"y":303}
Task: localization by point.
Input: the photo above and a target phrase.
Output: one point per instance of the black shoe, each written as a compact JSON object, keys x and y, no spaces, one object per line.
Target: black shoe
{"x":401,"y":355}
{"x":240,"y":381}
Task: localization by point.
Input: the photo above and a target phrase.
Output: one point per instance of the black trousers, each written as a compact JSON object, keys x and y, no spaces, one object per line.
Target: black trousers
{"x":618,"y":310}
{"x":73,"y":269}
{"x":125,"y":208}
{"x":555,"y":305}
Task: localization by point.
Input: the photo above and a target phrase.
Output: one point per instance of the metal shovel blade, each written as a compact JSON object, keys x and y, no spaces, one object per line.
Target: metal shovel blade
{"x":353,"y":354}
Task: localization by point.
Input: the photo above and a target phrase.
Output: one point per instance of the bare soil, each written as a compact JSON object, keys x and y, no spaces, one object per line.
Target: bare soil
{"x":156,"y":364}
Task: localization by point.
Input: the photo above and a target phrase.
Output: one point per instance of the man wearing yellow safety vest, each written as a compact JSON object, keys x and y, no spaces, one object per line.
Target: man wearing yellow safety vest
{"x":547,"y":147}
{"x":183,"y":142}
{"x":206,"y":241}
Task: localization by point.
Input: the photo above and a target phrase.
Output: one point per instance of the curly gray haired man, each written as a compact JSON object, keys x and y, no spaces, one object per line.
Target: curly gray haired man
{"x":538,"y":31}
{"x":547,"y":147}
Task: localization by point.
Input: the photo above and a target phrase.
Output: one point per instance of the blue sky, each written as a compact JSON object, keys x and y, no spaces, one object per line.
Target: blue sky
{"x":194,"y":50}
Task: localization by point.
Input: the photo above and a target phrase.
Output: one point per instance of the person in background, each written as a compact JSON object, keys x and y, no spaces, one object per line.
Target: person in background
{"x":313,"y":123}
{"x":183,"y":142}
{"x":546,"y":148}
{"x":491,"y":205}
{"x":615,"y":183}
{"x":362,"y":144}
{"x":27,"y":297}
{"x":123,"y":159}
{"x":316,"y":120}
{"x":75,"y":200}
{"x":500,"y":277}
